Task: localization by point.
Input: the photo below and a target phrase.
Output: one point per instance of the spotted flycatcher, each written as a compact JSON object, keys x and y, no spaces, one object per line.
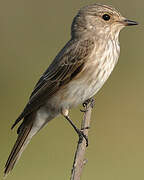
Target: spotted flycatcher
{"x":75,"y":75}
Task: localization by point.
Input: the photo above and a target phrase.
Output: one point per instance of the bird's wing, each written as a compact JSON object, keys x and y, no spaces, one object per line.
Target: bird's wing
{"x":67,"y":64}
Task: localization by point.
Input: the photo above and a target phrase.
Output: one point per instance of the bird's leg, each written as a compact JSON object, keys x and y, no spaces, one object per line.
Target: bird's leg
{"x":78,"y":131}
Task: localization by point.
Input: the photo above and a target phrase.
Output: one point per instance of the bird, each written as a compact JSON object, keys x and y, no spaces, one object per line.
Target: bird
{"x":75,"y":75}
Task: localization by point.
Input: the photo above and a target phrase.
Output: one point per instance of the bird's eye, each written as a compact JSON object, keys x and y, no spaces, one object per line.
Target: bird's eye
{"x":106,"y":17}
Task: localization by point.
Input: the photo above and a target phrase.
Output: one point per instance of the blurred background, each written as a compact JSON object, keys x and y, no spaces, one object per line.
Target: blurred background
{"x":31,"y":34}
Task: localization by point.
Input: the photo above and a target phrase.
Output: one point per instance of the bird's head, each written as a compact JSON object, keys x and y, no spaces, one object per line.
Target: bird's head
{"x":99,"y":20}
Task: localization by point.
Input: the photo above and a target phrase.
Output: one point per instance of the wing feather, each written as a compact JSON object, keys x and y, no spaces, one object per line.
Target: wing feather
{"x":67,"y":64}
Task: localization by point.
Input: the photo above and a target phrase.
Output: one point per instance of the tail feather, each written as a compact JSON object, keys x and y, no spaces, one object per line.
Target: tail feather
{"x":19,"y":146}
{"x":29,"y":127}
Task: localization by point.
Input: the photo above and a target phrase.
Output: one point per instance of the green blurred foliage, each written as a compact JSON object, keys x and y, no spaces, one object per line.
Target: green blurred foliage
{"x":31,"y":34}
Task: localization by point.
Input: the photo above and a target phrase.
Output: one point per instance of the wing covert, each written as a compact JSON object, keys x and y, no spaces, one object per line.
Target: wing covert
{"x":67,"y":64}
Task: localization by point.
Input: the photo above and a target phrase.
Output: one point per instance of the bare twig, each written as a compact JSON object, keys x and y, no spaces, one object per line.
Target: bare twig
{"x":79,"y":160}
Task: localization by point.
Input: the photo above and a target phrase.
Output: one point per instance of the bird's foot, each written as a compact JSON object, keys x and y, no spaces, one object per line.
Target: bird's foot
{"x":89,"y":101}
{"x":85,"y":104}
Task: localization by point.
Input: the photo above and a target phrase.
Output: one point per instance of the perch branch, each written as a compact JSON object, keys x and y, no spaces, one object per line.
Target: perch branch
{"x":79,"y":160}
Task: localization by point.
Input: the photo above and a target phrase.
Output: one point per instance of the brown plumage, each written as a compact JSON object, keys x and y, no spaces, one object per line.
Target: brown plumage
{"x":20,"y":144}
{"x":76,"y":74}
{"x":69,"y":62}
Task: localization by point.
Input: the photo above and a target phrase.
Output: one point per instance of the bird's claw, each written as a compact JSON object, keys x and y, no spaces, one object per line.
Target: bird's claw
{"x":91,"y":101}
{"x":83,"y":110}
{"x":85,"y":104}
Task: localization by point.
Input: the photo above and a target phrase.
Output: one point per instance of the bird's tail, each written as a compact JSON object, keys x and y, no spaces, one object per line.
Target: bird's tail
{"x":24,"y":136}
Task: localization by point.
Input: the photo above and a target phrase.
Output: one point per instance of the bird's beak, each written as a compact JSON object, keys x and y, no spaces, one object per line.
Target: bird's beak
{"x":127,"y":22}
